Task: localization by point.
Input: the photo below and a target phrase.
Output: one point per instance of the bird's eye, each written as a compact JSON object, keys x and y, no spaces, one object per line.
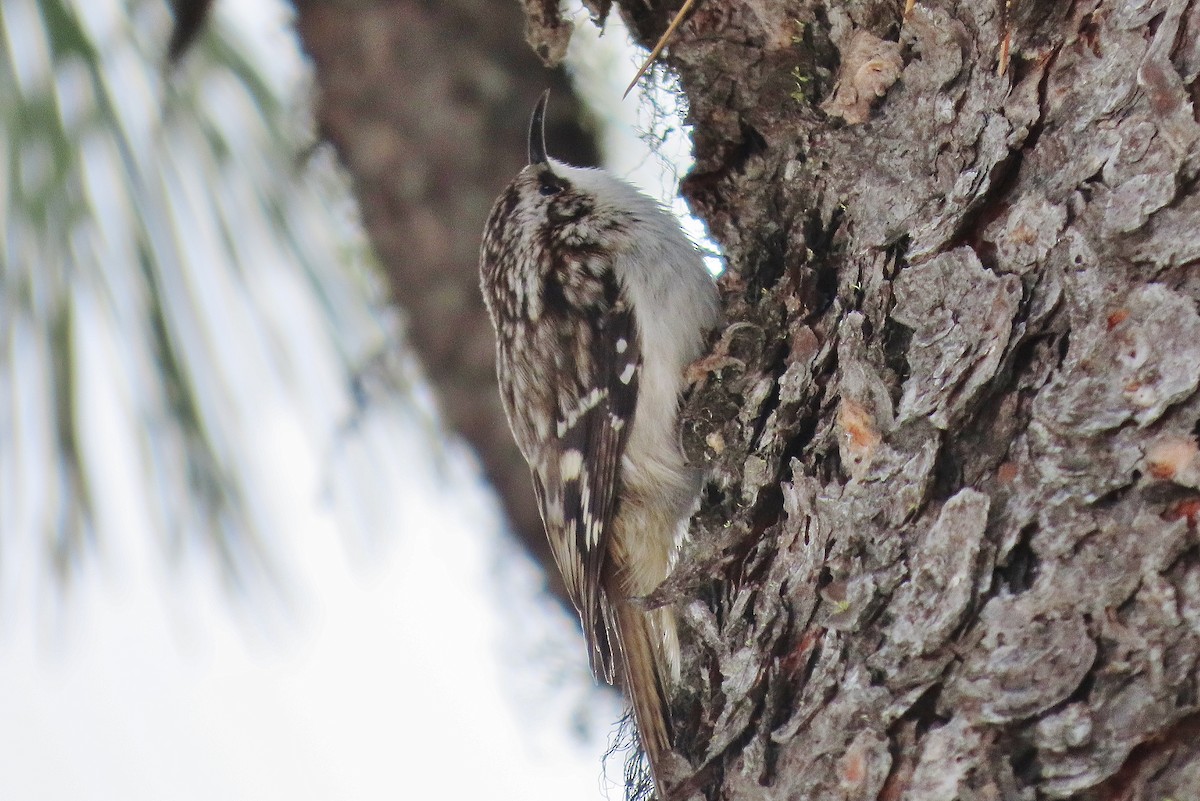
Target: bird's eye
{"x":549,"y":185}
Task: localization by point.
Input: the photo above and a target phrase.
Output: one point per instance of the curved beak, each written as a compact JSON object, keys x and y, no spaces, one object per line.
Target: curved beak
{"x":537,"y":131}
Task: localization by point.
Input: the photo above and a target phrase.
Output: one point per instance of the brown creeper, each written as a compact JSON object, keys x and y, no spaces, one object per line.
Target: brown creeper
{"x":600,"y":302}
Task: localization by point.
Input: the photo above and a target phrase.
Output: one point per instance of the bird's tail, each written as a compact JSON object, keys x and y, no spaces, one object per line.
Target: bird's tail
{"x":648,"y":644}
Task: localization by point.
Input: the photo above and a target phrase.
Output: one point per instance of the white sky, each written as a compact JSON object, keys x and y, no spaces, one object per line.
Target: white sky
{"x":382,"y":676}
{"x":419,"y":662}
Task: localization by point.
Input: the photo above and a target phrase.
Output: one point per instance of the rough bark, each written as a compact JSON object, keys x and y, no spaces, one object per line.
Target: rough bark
{"x":426,"y":103}
{"x":950,"y":550}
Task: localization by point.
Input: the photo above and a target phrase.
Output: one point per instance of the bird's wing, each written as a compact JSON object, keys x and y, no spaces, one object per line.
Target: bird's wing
{"x":577,"y":474}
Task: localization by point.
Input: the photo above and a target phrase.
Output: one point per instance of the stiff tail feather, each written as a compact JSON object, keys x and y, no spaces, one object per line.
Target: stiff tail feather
{"x":641,"y":637}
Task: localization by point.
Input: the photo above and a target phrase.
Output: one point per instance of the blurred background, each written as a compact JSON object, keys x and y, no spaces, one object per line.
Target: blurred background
{"x":245,"y":552}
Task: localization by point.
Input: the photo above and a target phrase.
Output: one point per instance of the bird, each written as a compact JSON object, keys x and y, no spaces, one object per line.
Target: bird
{"x":600,"y":302}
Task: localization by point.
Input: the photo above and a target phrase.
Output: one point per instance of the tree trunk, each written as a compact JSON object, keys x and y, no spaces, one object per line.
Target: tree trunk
{"x":419,"y":99}
{"x":951,"y":550}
